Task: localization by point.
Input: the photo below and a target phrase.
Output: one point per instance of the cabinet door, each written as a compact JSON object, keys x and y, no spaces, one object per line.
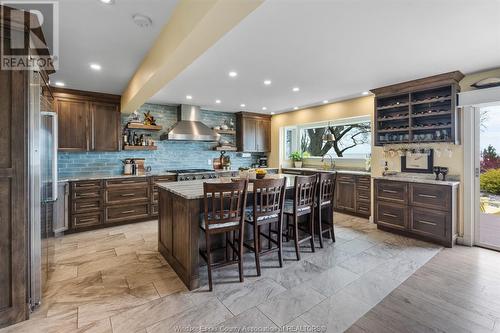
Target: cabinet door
{"x":346,"y":195}
{"x":249,"y":134}
{"x":73,"y":119}
{"x":263,"y":139}
{"x":105,"y":120}
{"x":392,"y":215}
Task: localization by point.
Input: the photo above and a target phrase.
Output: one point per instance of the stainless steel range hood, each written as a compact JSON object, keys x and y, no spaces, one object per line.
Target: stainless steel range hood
{"x":189,"y":127}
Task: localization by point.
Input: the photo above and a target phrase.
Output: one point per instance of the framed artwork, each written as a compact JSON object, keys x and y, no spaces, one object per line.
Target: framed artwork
{"x":418,"y":162}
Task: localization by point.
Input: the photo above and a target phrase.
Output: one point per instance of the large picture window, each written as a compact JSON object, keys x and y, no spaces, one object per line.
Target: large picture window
{"x":352,"y":138}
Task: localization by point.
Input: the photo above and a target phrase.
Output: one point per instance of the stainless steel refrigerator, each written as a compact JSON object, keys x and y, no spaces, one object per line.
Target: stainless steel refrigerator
{"x":42,"y":188}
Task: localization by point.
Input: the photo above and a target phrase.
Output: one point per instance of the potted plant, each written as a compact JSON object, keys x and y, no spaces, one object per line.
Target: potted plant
{"x":297,"y":158}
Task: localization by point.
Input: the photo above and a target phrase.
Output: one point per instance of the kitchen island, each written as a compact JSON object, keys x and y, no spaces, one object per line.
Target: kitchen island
{"x":179,"y":237}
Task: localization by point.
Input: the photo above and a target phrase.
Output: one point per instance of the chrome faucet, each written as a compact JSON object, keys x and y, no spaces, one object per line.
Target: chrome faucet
{"x":332,"y":163}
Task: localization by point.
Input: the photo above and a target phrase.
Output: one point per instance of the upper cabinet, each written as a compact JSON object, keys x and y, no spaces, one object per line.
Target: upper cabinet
{"x":253,"y":132}
{"x":419,"y":111}
{"x":87,"y":121}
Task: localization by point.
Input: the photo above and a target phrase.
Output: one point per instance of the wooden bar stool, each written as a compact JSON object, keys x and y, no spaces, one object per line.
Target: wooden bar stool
{"x":326,"y":196}
{"x":302,"y":204}
{"x":224,"y":205}
{"x":267,"y":209}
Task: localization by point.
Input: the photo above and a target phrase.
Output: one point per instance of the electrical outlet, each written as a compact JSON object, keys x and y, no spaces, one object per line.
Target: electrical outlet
{"x":209,"y":162}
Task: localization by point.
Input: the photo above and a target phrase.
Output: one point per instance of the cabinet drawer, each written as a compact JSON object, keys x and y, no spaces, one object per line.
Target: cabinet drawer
{"x":128,"y":212}
{"x":391,"y":215}
{"x":292,"y":171}
{"x":391,"y":191}
{"x":363,"y":195}
{"x":87,"y":193}
{"x":363,"y":208}
{"x":430,"y":223}
{"x":86,"y":205}
{"x":346,"y":178}
{"x":160,"y":179}
{"x":430,"y":196}
{"x":126,"y":181}
{"x":86,"y":220}
{"x":127,"y":194}
{"x":86,"y":185}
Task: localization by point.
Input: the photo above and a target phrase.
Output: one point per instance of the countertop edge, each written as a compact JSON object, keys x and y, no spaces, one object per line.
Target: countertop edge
{"x":419,"y":180}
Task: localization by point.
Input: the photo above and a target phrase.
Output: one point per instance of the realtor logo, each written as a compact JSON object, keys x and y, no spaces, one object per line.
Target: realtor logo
{"x":29,"y":35}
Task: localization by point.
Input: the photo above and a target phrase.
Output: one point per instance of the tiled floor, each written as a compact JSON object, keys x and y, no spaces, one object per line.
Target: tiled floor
{"x":114,"y":280}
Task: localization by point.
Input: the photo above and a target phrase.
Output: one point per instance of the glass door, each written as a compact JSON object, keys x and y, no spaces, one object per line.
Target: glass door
{"x":487,"y":226}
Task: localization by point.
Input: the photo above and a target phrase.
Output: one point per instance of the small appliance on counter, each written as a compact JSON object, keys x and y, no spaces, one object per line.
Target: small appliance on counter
{"x":128,"y":167}
{"x":263,"y":162}
{"x":134,"y":167}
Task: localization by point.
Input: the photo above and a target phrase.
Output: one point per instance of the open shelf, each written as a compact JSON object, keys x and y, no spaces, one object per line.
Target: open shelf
{"x":140,"y":147}
{"x":432,"y":114}
{"x":432,"y":100}
{"x":144,"y":127}
{"x":229,"y":132}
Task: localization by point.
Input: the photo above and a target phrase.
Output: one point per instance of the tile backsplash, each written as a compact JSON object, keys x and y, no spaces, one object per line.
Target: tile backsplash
{"x":170,"y":154}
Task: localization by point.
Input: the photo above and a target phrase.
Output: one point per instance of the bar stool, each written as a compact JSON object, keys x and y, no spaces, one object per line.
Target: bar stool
{"x":326,"y":196}
{"x":267,"y":209}
{"x":224,"y":213}
{"x":302,"y":204}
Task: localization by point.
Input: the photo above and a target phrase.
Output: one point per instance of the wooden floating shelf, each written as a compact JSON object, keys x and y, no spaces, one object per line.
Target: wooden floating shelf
{"x":140,"y":147}
{"x":144,"y":127}
{"x":232,"y":132}
{"x":225,"y":148}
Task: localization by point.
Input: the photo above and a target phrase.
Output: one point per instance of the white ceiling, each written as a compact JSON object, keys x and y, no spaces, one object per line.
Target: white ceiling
{"x":105,"y":34}
{"x":334,"y":49}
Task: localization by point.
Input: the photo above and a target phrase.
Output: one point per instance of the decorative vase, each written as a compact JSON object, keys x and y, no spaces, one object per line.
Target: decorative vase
{"x":298,"y":164}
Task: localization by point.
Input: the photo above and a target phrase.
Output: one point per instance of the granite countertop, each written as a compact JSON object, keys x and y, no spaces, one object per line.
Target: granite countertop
{"x":193,"y":189}
{"x":351,"y":172}
{"x":419,"y":179}
{"x":97,"y":176}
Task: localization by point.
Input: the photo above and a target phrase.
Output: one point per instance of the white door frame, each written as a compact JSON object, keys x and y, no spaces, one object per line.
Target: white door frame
{"x":471,"y":102}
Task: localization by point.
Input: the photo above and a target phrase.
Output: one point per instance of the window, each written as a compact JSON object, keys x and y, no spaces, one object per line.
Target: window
{"x":352,"y":138}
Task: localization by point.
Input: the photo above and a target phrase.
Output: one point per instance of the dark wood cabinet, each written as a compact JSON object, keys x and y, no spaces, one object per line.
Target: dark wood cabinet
{"x":345,"y":196}
{"x":352,"y":192}
{"x":253,"y":132}
{"x":87,"y":121}
{"x":100,"y":203}
{"x":73,"y":124}
{"x":422,"y":110}
{"x":425,"y":210}
{"x":105,"y":125}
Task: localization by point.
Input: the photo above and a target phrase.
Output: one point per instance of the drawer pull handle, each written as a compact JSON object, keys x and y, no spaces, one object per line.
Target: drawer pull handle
{"x":363,"y":187}
{"x":389,"y":215}
{"x":130,"y":181}
{"x":86,"y":194}
{"x":362,"y":197}
{"x":127,"y":194}
{"x":87,"y":220}
{"x":128,"y":211}
{"x":426,"y":222}
{"x":427,"y":196}
{"x":390,"y":191}
{"x":86,"y":185}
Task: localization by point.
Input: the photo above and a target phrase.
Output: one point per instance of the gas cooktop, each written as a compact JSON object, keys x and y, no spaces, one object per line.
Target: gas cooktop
{"x":181,"y":171}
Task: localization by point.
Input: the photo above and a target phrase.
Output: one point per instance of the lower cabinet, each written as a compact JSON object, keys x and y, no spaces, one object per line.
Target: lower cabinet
{"x":425,"y":210}
{"x":345,"y":196}
{"x":98,"y":203}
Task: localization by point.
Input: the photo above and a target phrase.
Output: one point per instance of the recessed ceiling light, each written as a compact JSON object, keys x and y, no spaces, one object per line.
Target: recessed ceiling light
{"x":242,"y":105}
{"x":60,"y":84}
{"x":142,"y":21}
{"x":273,"y":113}
{"x":264,"y":108}
{"x":267,"y":82}
{"x":296,"y":108}
{"x":107,"y":2}
{"x":364,"y":93}
{"x":295,"y":89}
{"x":95,"y":67}
{"x":325,"y":101}
{"x":189,"y":97}
{"x":217,"y":101}
{"x":233,"y":74}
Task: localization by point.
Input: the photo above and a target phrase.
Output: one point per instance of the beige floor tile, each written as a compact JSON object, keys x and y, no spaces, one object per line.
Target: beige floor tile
{"x":106,"y":263}
{"x":169,"y":286}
